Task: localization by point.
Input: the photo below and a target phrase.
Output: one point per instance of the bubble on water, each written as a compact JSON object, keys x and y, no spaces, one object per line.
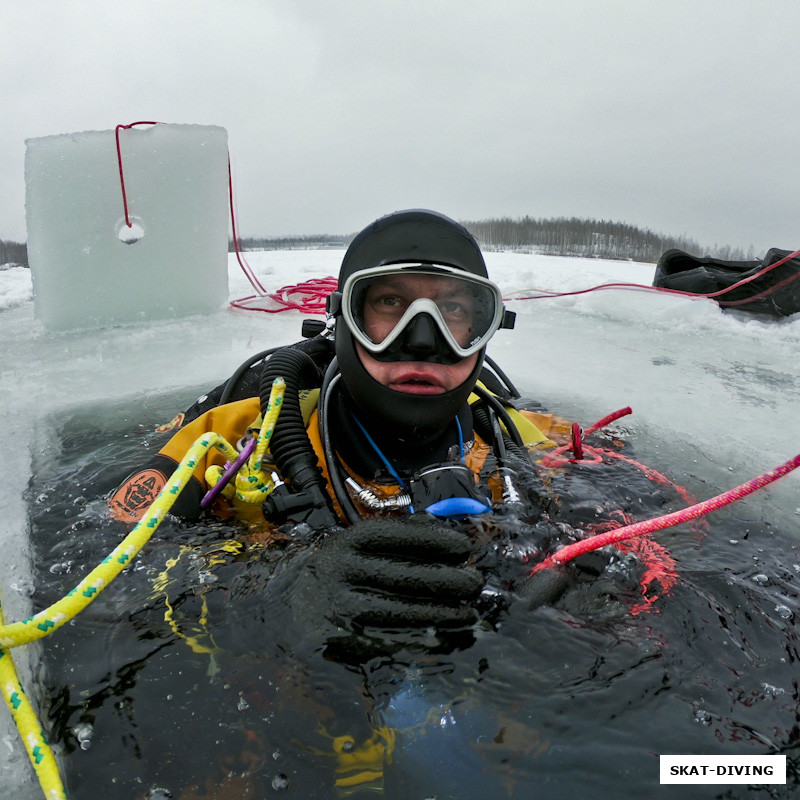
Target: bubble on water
{"x":280,"y":782}
{"x":702,"y":717}
{"x":61,"y":569}
{"x":783,"y":611}
{"x":158,"y":793}
{"x":302,"y":529}
{"x":83,"y":732}
{"x":775,"y":691}
{"x":760,"y":579}
{"x":623,"y":568}
{"x":243,"y":704}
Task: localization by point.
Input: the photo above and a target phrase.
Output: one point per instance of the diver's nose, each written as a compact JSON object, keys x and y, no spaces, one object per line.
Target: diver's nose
{"x":420,"y":336}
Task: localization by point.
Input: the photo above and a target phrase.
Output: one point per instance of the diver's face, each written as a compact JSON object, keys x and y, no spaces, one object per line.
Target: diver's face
{"x":418,"y":373}
{"x":418,"y":377}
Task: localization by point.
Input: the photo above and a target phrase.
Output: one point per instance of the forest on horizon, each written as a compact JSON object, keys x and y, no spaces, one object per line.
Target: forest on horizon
{"x":560,"y":236}
{"x":566,"y":236}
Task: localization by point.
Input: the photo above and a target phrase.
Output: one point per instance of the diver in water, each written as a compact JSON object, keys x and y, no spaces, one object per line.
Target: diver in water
{"x":389,"y":411}
{"x":388,"y":389}
{"x":393,"y":432}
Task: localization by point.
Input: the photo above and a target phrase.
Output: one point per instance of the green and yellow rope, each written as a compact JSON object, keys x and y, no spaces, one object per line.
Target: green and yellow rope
{"x":39,"y":752}
{"x":62,"y":611}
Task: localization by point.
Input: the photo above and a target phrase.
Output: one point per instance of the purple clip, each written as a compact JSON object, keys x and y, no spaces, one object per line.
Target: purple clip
{"x":230,"y":471}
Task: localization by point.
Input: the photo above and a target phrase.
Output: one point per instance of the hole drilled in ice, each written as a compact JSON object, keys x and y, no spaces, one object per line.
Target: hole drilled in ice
{"x":129,"y":234}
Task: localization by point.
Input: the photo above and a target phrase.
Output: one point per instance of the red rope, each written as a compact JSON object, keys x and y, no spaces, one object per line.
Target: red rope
{"x":254,"y":282}
{"x":317,"y":291}
{"x":753,"y":277}
{"x":668,"y":520}
{"x":766,"y":292}
{"x":577,"y":445}
{"x":121,"y":172}
{"x":582,"y":453}
{"x":308,"y":297}
{"x":313,"y":292}
{"x":592,"y":456}
{"x":613,"y":417}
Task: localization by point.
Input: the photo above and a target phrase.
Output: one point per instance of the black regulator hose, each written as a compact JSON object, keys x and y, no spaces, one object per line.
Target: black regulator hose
{"x":513,"y":460}
{"x":329,"y":385}
{"x":318,"y":347}
{"x":290,"y":446}
{"x":233,"y":381}
{"x":512,"y":390}
{"x":501,"y":412}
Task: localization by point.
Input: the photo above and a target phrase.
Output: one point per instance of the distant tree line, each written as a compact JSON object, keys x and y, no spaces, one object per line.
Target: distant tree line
{"x":557,"y":236}
{"x":568,"y":236}
{"x":590,"y":238}
{"x":13,"y":253}
{"x":311,"y":242}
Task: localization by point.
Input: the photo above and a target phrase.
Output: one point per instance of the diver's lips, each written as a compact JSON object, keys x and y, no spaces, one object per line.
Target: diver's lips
{"x":417,"y":383}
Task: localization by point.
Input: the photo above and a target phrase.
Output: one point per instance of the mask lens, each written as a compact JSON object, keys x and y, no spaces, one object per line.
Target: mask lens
{"x":382,"y":303}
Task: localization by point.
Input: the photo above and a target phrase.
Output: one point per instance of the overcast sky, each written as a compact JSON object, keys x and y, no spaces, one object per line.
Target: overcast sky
{"x":681,"y":116}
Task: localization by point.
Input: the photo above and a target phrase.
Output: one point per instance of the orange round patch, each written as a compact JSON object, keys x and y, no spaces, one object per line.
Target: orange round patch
{"x":135,"y":496}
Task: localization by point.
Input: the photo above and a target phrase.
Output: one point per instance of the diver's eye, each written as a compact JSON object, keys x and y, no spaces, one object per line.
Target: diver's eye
{"x":452,"y":308}
{"x":389,"y":301}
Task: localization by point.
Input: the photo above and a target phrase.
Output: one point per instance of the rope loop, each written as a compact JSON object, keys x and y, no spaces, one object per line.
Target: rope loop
{"x":582,"y":454}
{"x":252,"y":483}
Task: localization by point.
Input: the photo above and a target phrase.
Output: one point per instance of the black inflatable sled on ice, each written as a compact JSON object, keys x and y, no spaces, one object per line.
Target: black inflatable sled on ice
{"x":763,"y":289}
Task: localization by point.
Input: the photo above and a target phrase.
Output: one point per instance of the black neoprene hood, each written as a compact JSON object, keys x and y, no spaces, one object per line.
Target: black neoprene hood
{"x":413,"y":236}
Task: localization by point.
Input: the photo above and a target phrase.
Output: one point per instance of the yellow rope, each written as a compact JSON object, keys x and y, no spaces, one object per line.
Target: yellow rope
{"x":51,"y":619}
{"x":62,"y":611}
{"x":252,"y":483}
{"x":39,"y":752}
{"x":65,"y":609}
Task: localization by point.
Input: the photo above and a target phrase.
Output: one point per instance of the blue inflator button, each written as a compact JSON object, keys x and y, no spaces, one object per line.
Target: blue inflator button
{"x":458,"y":507}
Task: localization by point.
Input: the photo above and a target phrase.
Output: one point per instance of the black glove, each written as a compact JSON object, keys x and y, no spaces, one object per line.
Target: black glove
{"x":544,"y":587}
{"x":391,"y":575}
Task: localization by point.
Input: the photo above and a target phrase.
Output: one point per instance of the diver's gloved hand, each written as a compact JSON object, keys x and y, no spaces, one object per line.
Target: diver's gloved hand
{"x":389,"y":574}
{"x":544,"y":587}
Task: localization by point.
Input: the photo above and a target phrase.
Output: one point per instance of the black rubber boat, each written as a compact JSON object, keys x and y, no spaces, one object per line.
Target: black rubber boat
{"x":768,"y":287}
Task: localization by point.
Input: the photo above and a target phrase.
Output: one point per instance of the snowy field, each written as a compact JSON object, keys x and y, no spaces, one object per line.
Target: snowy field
{"x":715,"y":397}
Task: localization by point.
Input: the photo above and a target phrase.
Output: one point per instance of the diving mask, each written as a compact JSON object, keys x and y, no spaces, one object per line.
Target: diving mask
{"x":381,"y":304}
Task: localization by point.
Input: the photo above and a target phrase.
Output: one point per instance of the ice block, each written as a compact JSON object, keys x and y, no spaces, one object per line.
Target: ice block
{"x":89,"y":267}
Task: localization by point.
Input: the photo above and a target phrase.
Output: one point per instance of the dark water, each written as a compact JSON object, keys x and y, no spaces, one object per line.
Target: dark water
{"x":185,"y":678}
